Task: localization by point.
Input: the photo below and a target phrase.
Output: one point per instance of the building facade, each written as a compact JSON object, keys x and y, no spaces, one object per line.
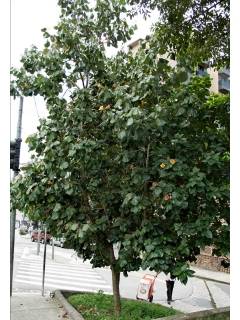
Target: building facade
{"x":220,"y":79}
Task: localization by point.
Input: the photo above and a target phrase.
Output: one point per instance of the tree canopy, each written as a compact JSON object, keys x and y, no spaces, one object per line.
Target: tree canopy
{"x":137,"y":154}
{"x":198,"y":28}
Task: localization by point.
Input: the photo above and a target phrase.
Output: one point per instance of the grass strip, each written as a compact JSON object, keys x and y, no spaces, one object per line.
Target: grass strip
{"x":98,"y":306}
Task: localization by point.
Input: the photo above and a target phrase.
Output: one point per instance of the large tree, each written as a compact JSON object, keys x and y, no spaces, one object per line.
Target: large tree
{"x":136,"y":155}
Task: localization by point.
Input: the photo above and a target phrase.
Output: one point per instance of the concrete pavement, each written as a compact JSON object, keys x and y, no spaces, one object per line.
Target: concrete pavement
{"x":197,"y":295}
{"x":35,"y":307}
{"x":217,"y":276}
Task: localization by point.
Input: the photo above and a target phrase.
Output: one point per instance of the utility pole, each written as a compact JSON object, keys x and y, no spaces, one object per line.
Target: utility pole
{"x":52,"y":248}
{"x":13,"y":213}
{"x":38,"y":242}
{"x":44,"y":259}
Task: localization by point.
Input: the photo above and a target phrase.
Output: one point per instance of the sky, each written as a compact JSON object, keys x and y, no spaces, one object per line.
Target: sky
{"x":28,"y":17}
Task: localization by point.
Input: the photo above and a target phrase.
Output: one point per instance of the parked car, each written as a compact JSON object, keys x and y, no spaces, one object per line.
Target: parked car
{"x":58,"y":241}
{"x":34,"y":236}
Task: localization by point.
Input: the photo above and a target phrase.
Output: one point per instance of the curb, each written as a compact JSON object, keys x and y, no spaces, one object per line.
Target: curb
{"x":211,"y":279}
{"x":71,"y":311}
{"x":196,"y":276}
{"x":200,"y":315}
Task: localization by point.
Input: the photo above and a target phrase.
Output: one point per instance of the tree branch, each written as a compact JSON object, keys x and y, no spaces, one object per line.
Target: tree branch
{"x":82,"y":80}
{"x":147,"y":158}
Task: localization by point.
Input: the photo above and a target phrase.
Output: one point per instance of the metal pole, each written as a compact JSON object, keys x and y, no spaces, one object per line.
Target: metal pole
{"x":19,"y":124}
{"x":38,"y":242}
{"x":13,"y":213}
{"x":44,"y":259}
{"x":52,"y":248}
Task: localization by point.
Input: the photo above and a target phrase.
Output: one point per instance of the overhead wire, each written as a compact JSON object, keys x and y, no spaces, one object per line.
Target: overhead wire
{"x":36,"y":107}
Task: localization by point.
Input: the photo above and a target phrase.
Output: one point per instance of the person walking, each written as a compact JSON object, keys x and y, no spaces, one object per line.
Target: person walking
{"x":170,"y":285}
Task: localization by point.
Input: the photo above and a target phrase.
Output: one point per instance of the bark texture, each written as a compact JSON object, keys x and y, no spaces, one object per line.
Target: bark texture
{"x":115,"y":283}
{"x":116,"y":292}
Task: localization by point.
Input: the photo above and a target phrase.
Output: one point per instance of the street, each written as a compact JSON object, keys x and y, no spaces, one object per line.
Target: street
{"x":67,"y":272}
{"x":64,"y":272}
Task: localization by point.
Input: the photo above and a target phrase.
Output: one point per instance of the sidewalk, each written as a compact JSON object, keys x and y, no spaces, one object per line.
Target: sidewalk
{"x":204,"y":274}
{"x":28,"y":306}
{"x":217,"y":276}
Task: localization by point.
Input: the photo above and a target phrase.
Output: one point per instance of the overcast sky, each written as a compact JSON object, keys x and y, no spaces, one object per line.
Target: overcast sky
{"x":28,"y":17}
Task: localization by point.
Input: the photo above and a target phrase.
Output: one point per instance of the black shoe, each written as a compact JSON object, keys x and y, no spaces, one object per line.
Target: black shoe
{"x":169,"y":302}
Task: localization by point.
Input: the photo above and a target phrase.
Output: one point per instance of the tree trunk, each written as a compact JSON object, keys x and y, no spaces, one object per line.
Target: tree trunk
{"x":116,"y":292}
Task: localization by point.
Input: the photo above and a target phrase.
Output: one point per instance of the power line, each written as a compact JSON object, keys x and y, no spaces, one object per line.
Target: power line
{"x":36,"y":107}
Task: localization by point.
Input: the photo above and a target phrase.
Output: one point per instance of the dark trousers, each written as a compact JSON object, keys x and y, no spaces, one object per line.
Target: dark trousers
{"x":170,"y":285}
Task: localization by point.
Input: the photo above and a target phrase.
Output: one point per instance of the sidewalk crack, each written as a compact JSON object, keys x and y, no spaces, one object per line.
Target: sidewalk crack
{"x":213,"y":303}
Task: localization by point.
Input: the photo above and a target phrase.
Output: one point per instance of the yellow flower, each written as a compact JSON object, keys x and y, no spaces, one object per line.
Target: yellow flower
{"x":162,"y":165}
{"x":173,"y":161}
{"x":167,"y":197}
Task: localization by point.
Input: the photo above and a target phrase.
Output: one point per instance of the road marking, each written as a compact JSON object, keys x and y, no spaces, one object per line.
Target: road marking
{"x":57,"y":275}
{"x":19,"y":293}
{"x":25,"y":253}
{"x":62,"y":286}
{"x":79,"y":267}
{"x":39,"y":268}
{"x":49,"y":279}
{"x":69,"y":277}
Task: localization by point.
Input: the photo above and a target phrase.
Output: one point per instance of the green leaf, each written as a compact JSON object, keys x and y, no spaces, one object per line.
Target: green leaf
{"x":182,"y":76}
{"x":130,"y":122}
{"x":135,"y":201}
{"x":160,"y":122}
{"x":57,"y":207}
{"x":85,"y":227}
{"x":74,"y":226}
{"x":80,"y":234}
{"x":47,"y":44}
{"x":69,"y":191}
{"x":55,"y":215}
{"x":209,"y":234}
{"x":70,"y":211}
{"x":64,"y":165}
{"x":122,"y":134}
{"x":180,"y":111}
{"x":118,"y":103}
{"x":72,"y":152}
{"x":136,"y":98}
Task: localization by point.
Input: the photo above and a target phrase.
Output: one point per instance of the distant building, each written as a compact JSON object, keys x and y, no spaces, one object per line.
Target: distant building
{"x":220,"y":78}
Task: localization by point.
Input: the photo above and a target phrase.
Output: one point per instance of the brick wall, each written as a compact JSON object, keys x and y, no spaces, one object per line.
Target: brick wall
{"x":207,"y":261}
